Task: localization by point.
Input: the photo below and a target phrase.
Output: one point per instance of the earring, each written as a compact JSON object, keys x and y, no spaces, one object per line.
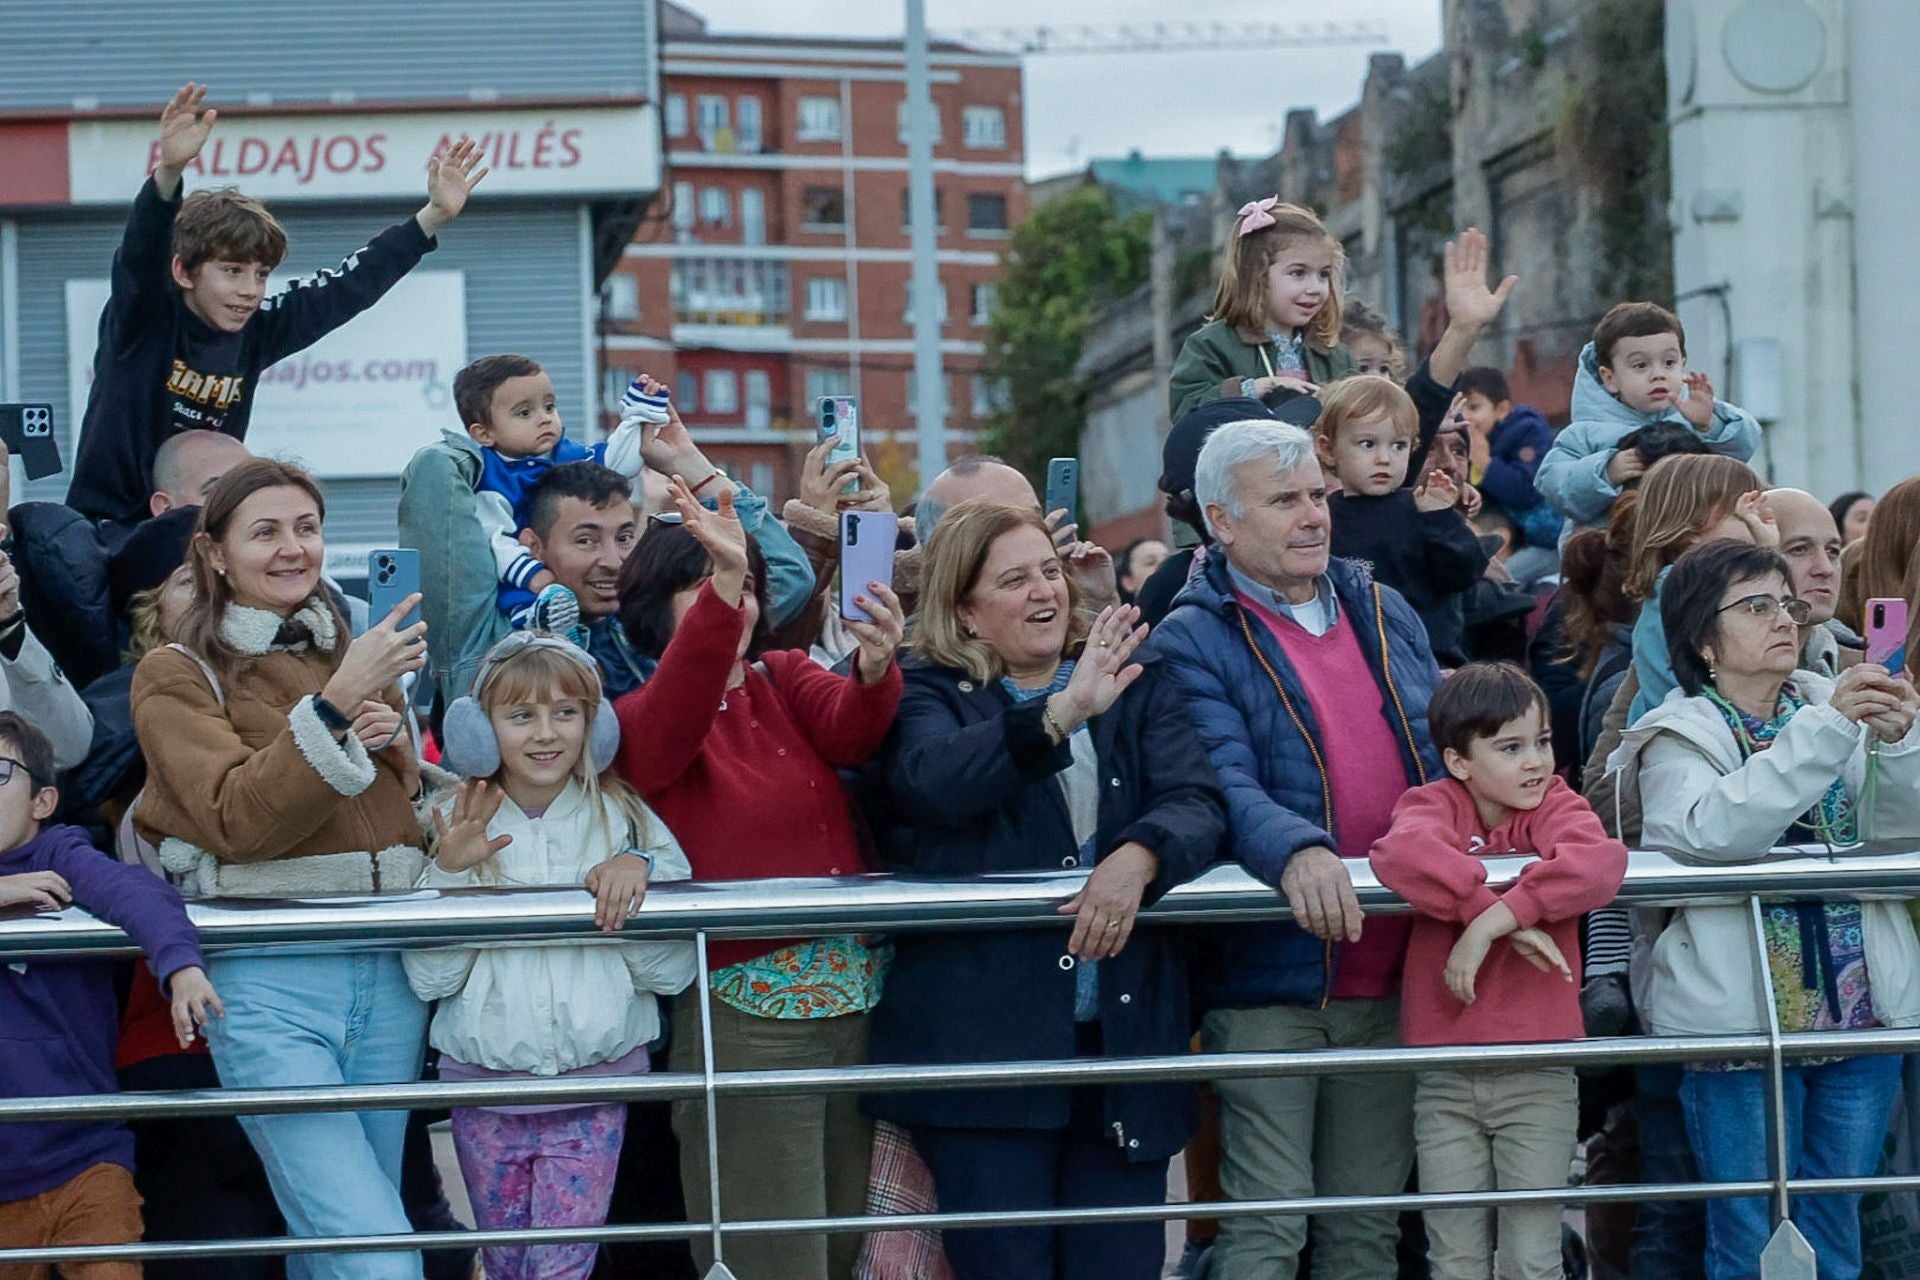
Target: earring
{"x":1713,"y":670}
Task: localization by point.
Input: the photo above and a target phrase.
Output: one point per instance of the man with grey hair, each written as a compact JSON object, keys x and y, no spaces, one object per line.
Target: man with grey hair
{"x":1306,"y":681}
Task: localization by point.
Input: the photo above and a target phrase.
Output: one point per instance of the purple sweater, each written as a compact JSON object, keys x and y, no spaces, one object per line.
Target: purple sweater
{"x":61,"y":1018}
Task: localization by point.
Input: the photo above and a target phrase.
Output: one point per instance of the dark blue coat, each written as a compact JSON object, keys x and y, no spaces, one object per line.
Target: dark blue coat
{"x":971,"y":788}
{"x":1276,"y":791}
{"x":1515,"y":448}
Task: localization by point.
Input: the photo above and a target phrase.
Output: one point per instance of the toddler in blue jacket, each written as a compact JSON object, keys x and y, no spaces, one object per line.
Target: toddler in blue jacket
{"x":1633,"y":373}
{"x":70,"y":1182}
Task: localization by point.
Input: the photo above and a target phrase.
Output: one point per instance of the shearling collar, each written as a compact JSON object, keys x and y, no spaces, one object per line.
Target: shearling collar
{"x":255,"y":631}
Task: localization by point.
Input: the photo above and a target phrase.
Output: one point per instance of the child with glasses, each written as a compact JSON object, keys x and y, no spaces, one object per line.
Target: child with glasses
{"x":70,"y":1182}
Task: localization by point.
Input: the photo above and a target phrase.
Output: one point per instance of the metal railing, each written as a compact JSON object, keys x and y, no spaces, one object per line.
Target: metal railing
{"x":882,"y":903}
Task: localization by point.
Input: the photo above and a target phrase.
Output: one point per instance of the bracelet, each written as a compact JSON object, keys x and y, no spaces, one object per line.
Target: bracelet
{"x":1046,"y":714}
{"x":711,"y":477}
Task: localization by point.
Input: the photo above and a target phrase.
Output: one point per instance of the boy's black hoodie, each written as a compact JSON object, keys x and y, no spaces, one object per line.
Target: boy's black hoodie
{"x":1430,"y":557}
{"x":160,"y":369}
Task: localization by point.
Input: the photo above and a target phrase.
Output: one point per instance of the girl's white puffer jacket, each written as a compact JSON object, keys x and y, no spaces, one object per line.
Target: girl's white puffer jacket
{"x":552,"y":1007}
{"x":1701,"y":800}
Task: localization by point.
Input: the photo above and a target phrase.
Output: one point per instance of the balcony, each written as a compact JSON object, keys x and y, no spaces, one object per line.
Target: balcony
{"x":722,"y":292}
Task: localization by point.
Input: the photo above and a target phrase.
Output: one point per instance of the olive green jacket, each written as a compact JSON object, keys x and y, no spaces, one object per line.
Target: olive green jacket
{"x":1216,"y":357}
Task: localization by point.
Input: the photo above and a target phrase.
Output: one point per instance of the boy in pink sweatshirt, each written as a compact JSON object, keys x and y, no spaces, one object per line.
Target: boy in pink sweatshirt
{"x":1495,"y":967}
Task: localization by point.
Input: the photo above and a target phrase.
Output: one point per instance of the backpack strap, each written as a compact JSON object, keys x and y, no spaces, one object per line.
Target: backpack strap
{"x":219,"y":695}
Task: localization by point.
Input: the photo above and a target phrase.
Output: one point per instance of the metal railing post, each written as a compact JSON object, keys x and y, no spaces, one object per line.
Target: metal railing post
{"x":1787,"y":1249}
{"x":710,"y":1097}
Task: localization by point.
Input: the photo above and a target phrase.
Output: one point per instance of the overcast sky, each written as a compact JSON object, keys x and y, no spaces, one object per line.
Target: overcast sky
{"x":1081,"y":106}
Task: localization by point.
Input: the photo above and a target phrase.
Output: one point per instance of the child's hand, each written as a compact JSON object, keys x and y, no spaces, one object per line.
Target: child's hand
{"x":1463,"y":963}
{"x":1470,"y":500}
{"x":1626,"y":466}
{"x":1479,"y":452}
{"x":463,"y":842}
{"x":1752,"y":511}
{"x":194,"y":1001}
{"x":41,"y":890}
{"x":1540,"y":951}
{"x":451,"y":178}
{"x":1697,"y":408}
{"x":183,"y":130}
{"x":1264,"y":387}
{"x":1437,"y":492}
{"x":618,"y":886}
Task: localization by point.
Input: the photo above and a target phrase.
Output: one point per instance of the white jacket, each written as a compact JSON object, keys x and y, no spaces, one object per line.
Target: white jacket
{"x":552,"y":1007}
{"x":1699,"y":799}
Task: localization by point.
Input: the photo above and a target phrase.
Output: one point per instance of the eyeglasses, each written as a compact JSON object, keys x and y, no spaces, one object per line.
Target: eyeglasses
{"x":9,"y":766}
{"x":1765,"y":607}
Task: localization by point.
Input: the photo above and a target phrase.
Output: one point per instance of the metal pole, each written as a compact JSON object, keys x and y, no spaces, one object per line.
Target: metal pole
{"x":929,"y":378}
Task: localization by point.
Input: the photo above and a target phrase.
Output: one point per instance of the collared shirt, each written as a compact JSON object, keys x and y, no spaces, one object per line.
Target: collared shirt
{"x":1316,"y":617}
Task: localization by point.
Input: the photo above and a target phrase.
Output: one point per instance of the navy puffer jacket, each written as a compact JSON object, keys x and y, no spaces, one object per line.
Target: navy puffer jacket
{"x":1275,"y":790}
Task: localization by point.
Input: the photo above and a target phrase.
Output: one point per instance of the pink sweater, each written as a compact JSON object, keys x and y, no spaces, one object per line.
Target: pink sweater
{"x":1357,"y":741}
{"x":1432,"y":857}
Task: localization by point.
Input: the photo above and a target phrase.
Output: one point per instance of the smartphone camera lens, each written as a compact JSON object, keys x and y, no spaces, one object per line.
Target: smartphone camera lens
{"x":1879,"y":615}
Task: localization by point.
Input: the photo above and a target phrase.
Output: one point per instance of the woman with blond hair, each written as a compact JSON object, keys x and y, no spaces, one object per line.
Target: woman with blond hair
{"x":1030,"y":739}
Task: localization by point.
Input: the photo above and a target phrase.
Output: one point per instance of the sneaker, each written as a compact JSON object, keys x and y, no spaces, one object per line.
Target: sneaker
{"x":556,"y":610}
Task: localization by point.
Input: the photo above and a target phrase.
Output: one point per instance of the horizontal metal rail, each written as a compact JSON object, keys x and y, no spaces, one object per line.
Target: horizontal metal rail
{"x":884,"y":903}
{"x":771,"y":908}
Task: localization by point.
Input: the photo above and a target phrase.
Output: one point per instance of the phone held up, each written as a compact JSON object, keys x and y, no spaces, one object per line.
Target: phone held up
{"x":866,"y":555}
{"x":392,"y":575}
{"x":27,"y":430}
{"x":1887,"y":633}
{"x":1063,"y":488}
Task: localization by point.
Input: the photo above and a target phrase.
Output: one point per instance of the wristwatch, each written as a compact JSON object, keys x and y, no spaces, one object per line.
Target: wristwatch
{"x":331,"y":716}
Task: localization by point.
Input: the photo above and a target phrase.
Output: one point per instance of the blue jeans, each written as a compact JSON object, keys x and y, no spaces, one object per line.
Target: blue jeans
{"x":325,"y":1020}
{"x":1836,"y":1117}
{"x":1669,"y":1236}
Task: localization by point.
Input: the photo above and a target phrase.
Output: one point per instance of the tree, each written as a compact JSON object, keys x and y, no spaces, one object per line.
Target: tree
{"x":1069,"y":258}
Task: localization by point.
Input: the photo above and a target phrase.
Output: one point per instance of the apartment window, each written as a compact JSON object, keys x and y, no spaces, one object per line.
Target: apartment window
{"x":761,"y":478}
{"x":913,"y":396}
{"x":984,"y":127}
{"x":620,"y":297}
{"x":939,"y":209}
{"x":723,"y":392}
{"x":983,"y":297}
{"x":753,"y":216}
{"x":900,"y":114}
{"x":827,"y":298}
{"x":713,"y":118}
{"x":716,"y":206}
{"x":989,"y":396}
{"x":823,"y":209}
{"x":686,"y":392}
{"x":613,"y":387}
{"x":683,"y":206}
{"x":748,"y":135}
{"x":676,"y":115}
{"x":822,"y":383}
{"x":943,"y":302}
{"x":986,"y":214}
{"x":819,"y":120}
{"x":759,"y":400}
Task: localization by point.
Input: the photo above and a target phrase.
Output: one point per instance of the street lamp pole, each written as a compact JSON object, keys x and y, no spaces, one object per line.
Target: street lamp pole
{"x":929,"y":378}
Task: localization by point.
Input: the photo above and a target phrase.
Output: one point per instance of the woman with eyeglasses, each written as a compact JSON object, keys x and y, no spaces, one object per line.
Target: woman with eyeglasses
{"x":1746,"y":754}
{"x":736,"y":750}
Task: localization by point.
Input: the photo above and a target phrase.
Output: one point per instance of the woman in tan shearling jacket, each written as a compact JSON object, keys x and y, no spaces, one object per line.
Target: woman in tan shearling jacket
{"x":278,"y":765}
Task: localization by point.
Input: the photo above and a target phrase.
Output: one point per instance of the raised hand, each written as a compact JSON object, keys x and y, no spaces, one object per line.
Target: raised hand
{"x":1470,"y":303}
{"x":461,"y":842}
{"x":1103,"y":672}
{"x":1697,"y":408}
{"x":880,"y":638}
{"x":378,"y":657}
{"x":1437,"y":492}
{"x":1751,"y":510}
{"x":451,"y":178}
{"x":823,"y":485}
{"x":720,"y":533}
{"x":184,"y":127}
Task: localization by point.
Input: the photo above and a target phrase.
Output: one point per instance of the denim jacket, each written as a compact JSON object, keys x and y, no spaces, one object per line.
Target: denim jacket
{"x":439,"y":517}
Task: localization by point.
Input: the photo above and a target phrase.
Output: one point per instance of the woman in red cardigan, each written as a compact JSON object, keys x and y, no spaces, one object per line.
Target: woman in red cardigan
{"x":737,"y":757}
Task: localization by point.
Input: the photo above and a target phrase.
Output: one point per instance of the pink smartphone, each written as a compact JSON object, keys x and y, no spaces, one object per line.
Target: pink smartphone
{"x":1887,"y":633}
{"x":866,"y":555}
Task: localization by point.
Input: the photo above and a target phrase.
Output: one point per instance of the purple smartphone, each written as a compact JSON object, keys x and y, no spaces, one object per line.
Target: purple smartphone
{"x":866,"y":555}
{"x":1887,"y":633}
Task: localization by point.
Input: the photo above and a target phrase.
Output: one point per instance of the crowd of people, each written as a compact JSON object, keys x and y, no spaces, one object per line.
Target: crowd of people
{"x":1400,"y":619}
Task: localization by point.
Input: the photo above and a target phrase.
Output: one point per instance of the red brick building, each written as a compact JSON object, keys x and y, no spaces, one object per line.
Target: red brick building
{"x":776,"y":269}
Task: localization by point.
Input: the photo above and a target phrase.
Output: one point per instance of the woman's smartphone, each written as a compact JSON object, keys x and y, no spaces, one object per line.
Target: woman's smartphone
{"x":1887,"y":633}
{"x":1063,"y":487}
{"x":866,"y":555}
{"x":840,"y":416}
{"x":392,"y":576}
